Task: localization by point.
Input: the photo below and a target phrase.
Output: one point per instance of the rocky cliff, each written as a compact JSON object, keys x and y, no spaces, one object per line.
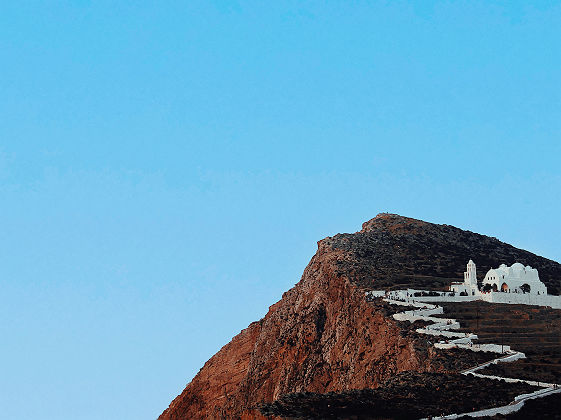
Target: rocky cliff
{"x":323,"y":335}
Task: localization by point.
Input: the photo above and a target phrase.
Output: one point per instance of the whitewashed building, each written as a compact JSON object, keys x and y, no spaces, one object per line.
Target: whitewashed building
{"x":515,"y":279}
{"x":469,"y":285}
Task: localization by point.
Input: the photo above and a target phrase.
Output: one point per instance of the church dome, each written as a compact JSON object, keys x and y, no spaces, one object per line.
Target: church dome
{"x":517,"y":267}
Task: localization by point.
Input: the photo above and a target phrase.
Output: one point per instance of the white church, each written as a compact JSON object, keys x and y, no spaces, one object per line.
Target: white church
{"x":515,"y":285}
{"x":514,"y":279}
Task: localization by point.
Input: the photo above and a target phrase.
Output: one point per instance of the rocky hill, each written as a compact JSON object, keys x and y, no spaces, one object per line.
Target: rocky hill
{"x":324,"y":336}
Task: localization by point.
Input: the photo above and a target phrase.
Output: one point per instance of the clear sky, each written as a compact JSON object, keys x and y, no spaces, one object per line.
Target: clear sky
{"x":166,"y":168}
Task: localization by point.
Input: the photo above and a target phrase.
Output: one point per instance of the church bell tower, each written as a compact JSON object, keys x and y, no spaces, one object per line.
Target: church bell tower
{"x":470,"y":276}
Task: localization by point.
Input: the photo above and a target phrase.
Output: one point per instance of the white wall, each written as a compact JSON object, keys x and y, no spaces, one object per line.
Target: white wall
{"x":525,"y":299}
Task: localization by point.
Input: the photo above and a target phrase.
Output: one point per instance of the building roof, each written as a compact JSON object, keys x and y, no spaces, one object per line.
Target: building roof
{"x":516,"y":271}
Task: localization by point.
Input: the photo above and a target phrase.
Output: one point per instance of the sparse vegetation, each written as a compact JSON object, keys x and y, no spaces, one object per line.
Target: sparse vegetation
{"x":407,"y":395}
{"x":536,"y":331}
{"x":486,"y":288}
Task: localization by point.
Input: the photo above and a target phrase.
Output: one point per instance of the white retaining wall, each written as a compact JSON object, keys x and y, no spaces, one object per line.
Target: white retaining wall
{"x":522,"y":298}
{"x":492,"y":297}
{"x":446,"y":298}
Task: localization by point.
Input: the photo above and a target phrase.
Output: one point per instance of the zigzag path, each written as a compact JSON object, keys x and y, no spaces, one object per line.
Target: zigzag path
{"x":444,"y":327}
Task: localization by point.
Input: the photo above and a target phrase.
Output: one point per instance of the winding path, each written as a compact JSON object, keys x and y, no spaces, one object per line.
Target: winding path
{"x":453,"y":339}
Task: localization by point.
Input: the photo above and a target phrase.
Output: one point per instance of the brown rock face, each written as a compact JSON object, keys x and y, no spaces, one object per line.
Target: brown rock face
{"x":323,"y":335}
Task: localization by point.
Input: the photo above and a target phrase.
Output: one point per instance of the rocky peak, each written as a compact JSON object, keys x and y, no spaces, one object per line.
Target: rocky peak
{"x":392,"y":223}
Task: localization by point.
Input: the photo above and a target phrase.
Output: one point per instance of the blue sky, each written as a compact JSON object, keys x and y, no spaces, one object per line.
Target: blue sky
{"x":166,"y":168}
